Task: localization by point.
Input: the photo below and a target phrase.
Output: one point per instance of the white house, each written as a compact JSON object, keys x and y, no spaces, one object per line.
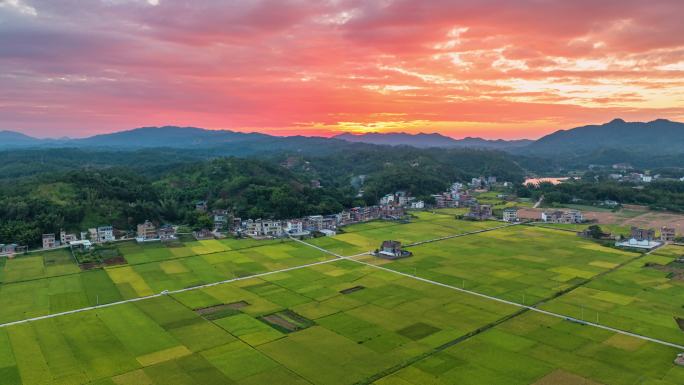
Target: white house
{"x":105,"y":234}
{"x":387,"y":199}
{"x":294,"y":226}
{"x":328,"y":233}
{"x":418,"y":205}
{"x":510,"y":215}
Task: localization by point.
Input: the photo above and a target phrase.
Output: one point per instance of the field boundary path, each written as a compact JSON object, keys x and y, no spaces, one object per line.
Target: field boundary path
{"x":522,"y":309}
{"x":507,"y":302}
{"x":168,"y":292}
{"x":352,"y":258}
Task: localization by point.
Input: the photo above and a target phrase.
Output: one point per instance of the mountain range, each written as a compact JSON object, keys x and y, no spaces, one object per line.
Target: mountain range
{"x":659,"y":136}
{"x":430,"y":140}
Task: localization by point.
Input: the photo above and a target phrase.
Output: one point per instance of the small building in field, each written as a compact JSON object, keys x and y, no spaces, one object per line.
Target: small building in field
{"x":49,"y":241}
{"x":392,"y":250}
{"x":83,"y":245}
{"x":640,"y":239}
{"x":327,"y":232}
{"x":562,"y":216}
{"x":510,"y":214}
{"x":642,"y":234}
{"x":667,"y":234}
{"x":480,"y":212}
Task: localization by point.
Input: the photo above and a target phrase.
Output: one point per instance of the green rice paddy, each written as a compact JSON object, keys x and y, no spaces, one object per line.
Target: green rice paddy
{"x":342,"y":322}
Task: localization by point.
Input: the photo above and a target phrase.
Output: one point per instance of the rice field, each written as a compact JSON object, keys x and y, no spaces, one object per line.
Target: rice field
{"x":342,"y":322}
{"x":540,"y":350}
{"x":32,"y":287}
{"x":165,"y":340}
{"x":519,"y":263}
{"x":635,"y":297}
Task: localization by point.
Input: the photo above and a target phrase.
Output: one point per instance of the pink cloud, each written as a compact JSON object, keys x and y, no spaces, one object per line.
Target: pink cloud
{"x":78,"y":68}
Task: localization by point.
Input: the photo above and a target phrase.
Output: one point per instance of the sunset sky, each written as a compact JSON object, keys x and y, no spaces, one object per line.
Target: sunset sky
{"x":495,"y":69}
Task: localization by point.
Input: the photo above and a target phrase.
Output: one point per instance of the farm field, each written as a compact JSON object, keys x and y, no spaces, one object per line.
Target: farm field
{"x":342,"y":322}
{"x":78,"y":289}
{"x":361,"y":238}
{"x":636,"y":298}
{"x":35,"y":266}
{"x":608,"y":228}
{"x":541,"y":350}
{"x":348,"y":337}
{"x":512,"y":262}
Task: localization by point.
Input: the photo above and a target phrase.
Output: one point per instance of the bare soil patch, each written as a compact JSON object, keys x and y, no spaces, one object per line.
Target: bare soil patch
{"x":638,"y":216}
{"x":221,"y":311}
{"x":675,"y":271}
{"x":561,"y":377}
{"x":287,"y":321}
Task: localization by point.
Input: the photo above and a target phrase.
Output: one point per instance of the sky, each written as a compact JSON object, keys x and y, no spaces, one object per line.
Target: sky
{"x":489,"y":68}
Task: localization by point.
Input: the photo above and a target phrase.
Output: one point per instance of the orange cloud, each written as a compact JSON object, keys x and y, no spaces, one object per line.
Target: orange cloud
{"x":491,"y":68}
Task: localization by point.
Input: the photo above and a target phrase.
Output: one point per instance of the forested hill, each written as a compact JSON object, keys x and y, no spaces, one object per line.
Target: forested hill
{"x":77,"y":189}
{"x":660,"y":136}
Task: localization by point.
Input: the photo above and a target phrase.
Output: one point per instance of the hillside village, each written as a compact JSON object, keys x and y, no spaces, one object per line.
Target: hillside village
{"x":391,"y":207}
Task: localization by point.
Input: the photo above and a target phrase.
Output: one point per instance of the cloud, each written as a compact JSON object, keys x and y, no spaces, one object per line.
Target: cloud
{"x":530,"y":66}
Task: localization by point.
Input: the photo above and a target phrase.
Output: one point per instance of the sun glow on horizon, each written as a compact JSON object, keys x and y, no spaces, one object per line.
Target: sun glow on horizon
{"x":293,"y":67}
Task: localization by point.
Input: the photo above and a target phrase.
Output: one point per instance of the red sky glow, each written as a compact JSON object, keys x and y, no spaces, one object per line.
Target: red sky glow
{"x":490,"y":68}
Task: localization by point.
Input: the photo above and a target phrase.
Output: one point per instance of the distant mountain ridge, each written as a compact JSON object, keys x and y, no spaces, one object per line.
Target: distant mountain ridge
{"x":423,"y":140}
{"x":658,"y":136}
{"x":12,"y":139}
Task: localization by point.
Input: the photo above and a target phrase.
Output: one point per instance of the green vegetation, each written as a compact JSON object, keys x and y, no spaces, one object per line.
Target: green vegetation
{"x":658,"y":195}
{"x":82,"y":189}
{"x":50,"y":283}
{"x":515,"y":263}
{"x":645,"y":296}
{"x":541,"y":350}
{"x":342,"y":322}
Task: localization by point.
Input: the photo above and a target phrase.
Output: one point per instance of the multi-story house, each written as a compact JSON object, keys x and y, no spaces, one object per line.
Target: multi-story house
{"x":667,"y":234}
{"x":8,"y":249}
{"x":263,"y":228}
{"x":566,"y":216}
{"x":313,"y":222}
{"x":105,"y":234}
{"x":510,"y":214}
{"x":642,"y":234}
{"x":65,"y":238}
{"x":167,"y":233}
{"x":294,"y":226}
{"x":49,"y":241}
{"x":480,"y":212}
{"x":147,"y":231}
{"x":220,"y":219}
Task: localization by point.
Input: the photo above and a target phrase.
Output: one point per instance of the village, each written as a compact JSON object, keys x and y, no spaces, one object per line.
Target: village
{"x":391,"y":207}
